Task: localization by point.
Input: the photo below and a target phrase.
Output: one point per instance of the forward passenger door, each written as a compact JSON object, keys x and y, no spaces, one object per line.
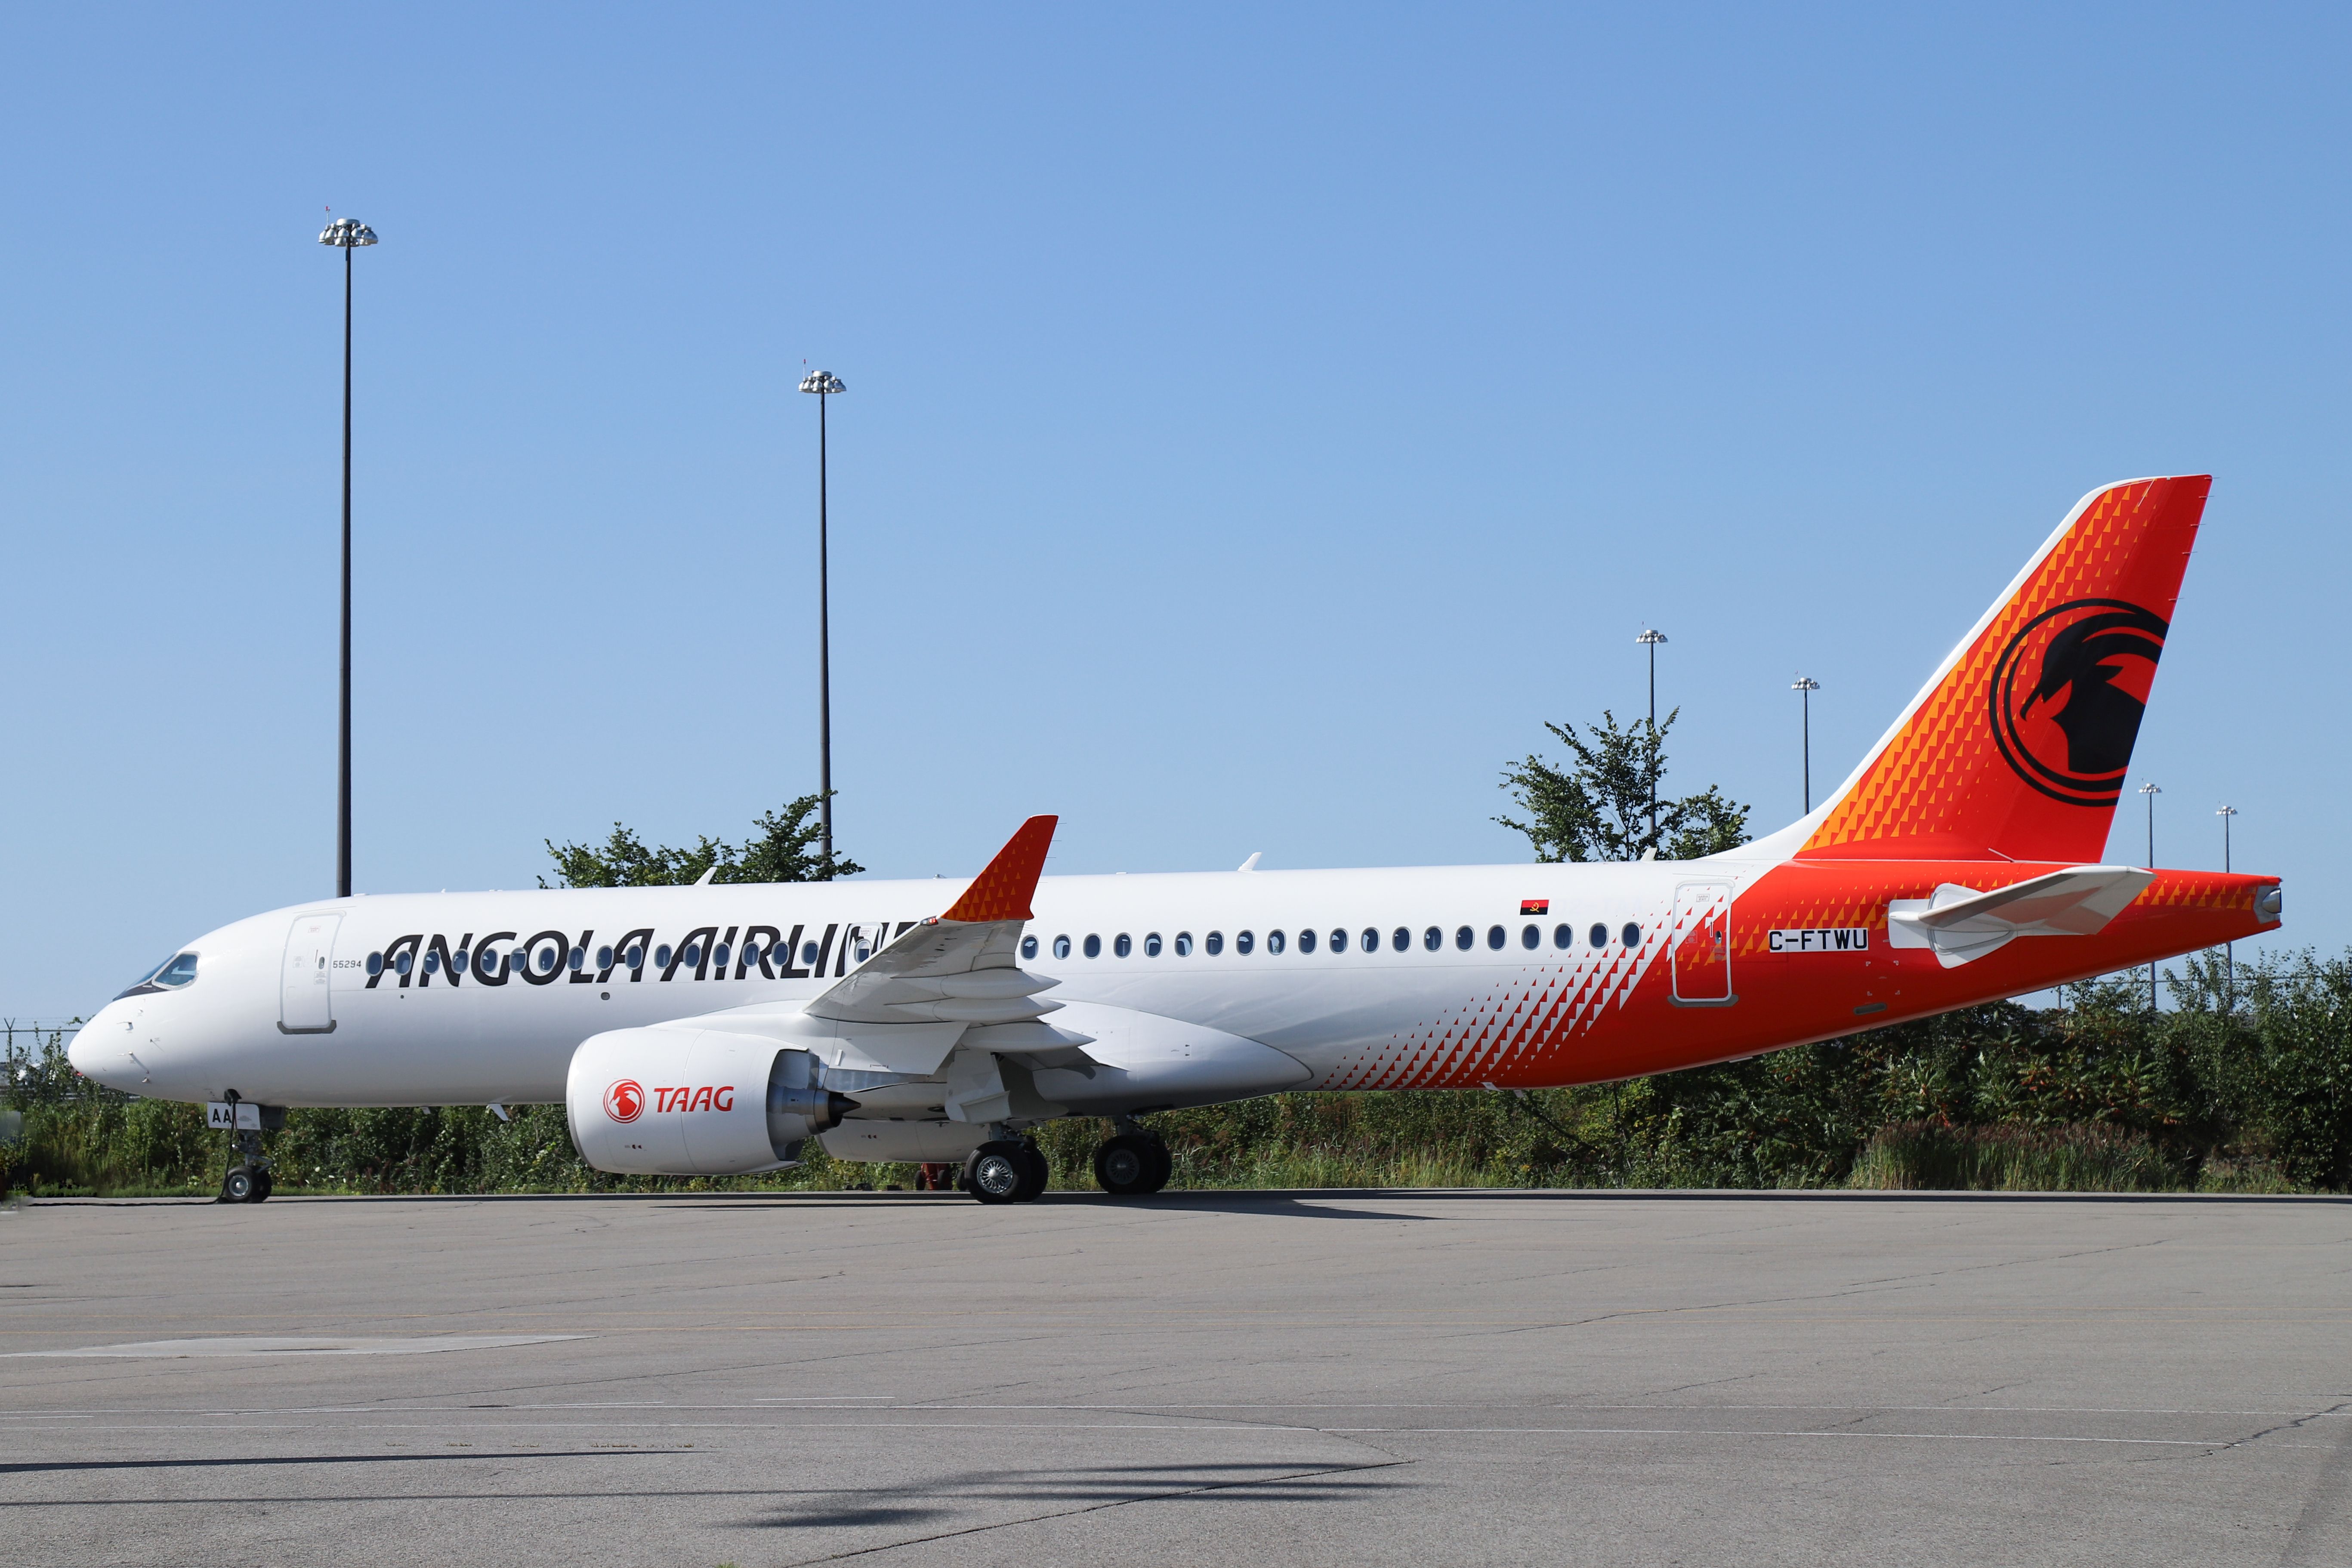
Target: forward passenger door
{"x":304,"y":1003}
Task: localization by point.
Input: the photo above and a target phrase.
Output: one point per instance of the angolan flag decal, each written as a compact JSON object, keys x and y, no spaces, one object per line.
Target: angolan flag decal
{"x":1535,"y":906}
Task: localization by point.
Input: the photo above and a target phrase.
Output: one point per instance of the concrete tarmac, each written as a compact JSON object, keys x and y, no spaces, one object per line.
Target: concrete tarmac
{"x":1299,"y":1380}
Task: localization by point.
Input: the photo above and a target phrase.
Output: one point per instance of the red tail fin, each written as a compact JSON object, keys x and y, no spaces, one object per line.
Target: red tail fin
{"x":2020,"y":744}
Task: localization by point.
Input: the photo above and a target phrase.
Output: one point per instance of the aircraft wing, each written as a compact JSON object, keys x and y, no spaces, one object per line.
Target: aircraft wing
{"x":1959,"y":924}
{"x":961,"y":966}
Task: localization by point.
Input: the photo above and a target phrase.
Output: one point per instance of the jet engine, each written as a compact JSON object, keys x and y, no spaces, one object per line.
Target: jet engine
{"x":695,"y":1102}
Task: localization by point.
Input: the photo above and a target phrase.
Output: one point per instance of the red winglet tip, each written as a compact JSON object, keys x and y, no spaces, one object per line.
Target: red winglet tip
{"x":1001,"y":892}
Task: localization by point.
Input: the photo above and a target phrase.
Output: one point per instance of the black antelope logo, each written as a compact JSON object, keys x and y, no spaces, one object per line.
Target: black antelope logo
{"x":2068,"y":694}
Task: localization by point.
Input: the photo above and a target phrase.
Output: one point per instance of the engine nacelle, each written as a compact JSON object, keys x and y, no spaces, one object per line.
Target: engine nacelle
{"x":695,"y":1102}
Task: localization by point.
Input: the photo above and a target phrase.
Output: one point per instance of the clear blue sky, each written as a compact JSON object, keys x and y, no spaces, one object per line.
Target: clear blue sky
{"x":1261,"y":419}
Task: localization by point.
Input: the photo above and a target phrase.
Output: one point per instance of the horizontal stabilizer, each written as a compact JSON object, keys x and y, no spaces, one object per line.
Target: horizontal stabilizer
{"x":1960,"y":924}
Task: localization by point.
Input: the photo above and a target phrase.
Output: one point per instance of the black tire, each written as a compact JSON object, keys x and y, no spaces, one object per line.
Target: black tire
{"x":237,"y":1187}
{"x":1039,"y":1173}
{"x":996,"y":1172}
{"x":1132,"y":1165}
{"x":262,"y":1186}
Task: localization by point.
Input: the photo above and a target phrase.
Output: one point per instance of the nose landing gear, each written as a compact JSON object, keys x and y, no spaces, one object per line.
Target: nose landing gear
{"x":247,"y":1181}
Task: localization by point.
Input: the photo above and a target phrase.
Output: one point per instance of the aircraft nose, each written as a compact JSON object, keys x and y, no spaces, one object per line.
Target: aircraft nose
{"x":82,"y":1051}
{"x":101,"y":1050}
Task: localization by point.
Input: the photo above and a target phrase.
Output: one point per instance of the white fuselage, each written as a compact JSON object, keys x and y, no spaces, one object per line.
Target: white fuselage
{"x":258,"y":1020}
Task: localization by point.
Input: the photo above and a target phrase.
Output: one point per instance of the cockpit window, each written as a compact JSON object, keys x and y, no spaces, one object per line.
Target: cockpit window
{"x":169,"y":975}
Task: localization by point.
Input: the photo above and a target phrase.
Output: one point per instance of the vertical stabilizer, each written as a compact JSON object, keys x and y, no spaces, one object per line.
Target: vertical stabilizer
{"x":2019,"y":746}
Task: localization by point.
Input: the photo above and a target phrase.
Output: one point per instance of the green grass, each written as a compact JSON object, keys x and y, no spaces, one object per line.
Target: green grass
{"x":1917,"y":1156}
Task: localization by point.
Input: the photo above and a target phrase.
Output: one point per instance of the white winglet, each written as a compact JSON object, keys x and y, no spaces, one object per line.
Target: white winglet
{"x":1251,"y":864}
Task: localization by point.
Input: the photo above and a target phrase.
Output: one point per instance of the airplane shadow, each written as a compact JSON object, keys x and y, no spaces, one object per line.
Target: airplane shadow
{"x":953,"y":1496}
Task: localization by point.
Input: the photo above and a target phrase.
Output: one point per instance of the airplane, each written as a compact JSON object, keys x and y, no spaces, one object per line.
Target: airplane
{"x":714,"y":1029}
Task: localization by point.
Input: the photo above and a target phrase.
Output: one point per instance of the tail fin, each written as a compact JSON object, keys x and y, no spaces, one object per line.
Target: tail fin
{"x":2019,"y":746}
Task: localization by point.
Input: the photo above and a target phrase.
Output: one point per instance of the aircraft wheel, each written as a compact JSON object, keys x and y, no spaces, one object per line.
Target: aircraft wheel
{"x":237,"y":1187}
{"x":262,"y":1184}
{"x":1132,"y":1164}
{"x":996,"y":1172}
{"x":1037,"y":1174}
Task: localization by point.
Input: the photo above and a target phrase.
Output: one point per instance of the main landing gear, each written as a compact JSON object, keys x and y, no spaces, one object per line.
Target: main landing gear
{"x":1002,"y":1170}
{"x":1132,"y":1164}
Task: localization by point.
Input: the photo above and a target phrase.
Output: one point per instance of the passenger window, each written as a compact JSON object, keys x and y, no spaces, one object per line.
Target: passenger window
{"x":693,"y":954}
{"x":1122,"y":945}
{"x":1060,"y":947}
{"x":603,"y":958}
{"x":1339,"y":941}
{"x":401,"y":963}
{"x":1462,"y":937}
{"x":375,"y":963}
{"x":1094,"y":945}
{"x":1400,"y":939}
{"x":462,"y":962}
{"x":1495,"y":938}
{"x":432,"y":963}
{"x":1216,"y":943}
{"x":1184,"y":944}
{"x":1632,"y":934}
{"x":1433,"y":939}
{"x":1274,"y":942}
{"x":661,"y":956}
{"x":1529,"y":936}
{"x":1563,"y":936}
{"x":1151,"y":945}
{"x":1028,"y":947}
{"x":1305,"y":941}
{"x":1598,"y":936}
{"x":1242,"y":941}
{"x":719,"y":955}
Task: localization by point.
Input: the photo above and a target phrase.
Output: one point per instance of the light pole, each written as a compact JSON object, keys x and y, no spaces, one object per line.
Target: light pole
{"x":2229,"y":950}
{"x":1650,"y":638}
{"x":1805,"y":685}
{"x":825,"y":383}
{"x":2149,"y":792}
{"x":346,"y":234}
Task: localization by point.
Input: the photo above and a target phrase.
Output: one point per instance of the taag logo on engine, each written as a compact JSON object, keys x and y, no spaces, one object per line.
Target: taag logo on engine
{"x":624,"y":1101}
{"x":2068,"y":693}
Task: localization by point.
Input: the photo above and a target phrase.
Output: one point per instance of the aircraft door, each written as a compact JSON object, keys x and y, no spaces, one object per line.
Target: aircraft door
{"x":304,"y":1004}
{"x":1702,"y":939}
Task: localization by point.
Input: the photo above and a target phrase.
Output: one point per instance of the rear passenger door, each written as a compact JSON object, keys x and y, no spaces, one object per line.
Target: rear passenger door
{"x":1702,"y":939}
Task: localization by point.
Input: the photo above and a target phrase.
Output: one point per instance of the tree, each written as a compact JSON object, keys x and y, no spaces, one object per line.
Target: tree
{"x":784,"y":850}
{"x":1599,"y":806}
